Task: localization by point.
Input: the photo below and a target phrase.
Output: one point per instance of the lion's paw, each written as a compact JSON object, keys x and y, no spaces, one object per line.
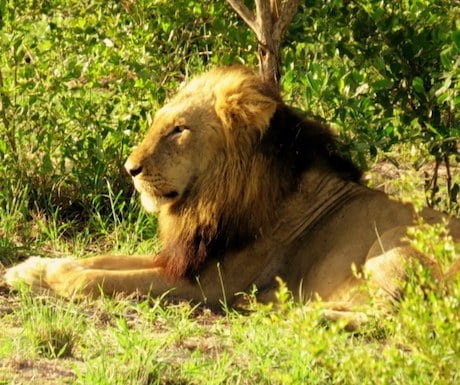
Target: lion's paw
{"x":29,"y":272}
{"x":36,"y":272}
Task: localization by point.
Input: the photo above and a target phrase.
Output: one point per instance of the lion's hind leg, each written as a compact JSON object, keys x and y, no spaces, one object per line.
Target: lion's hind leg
{"x":387,"y":274}
{"x":378,"y":287}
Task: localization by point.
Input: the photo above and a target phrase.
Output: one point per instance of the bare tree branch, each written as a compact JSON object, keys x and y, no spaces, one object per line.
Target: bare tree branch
{"x":286,"y":14}
{"x":264,"y":20}
{"x":244,"y":12}
{"x":271,"y":19}
{"x":275,"y":7}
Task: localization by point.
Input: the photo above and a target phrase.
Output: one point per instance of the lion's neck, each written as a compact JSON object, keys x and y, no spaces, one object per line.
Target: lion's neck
{"x":223,"y":218}
{"x":256,"y":200}
{"x":228,"y":218}
{"x":319,"y":195}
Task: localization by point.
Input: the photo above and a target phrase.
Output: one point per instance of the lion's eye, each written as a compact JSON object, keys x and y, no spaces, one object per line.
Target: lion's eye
{"x":177,"y":130}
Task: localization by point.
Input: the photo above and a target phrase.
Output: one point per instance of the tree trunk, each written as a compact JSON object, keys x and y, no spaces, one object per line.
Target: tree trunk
{"x":269,"y":23}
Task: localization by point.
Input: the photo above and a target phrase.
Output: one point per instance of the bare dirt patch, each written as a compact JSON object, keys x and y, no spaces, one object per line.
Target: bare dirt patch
{"x":38,"y":371}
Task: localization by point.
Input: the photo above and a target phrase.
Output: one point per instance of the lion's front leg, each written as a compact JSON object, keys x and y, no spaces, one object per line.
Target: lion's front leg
{"x":110,"y":262}
{"x":57,"y":274}
{"x":44,"y":274}
{"x":69,"y":277}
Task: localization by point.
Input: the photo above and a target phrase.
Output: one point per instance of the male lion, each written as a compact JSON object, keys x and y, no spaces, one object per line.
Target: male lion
{"x":246,"y":191}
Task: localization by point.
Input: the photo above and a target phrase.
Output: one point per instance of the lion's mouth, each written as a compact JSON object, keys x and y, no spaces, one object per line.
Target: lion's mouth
{"x":152,"y":201}
{"x":170,"y":195}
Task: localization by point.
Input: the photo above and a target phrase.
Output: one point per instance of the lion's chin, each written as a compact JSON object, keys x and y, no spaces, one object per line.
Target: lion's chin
{"x":152,"y":204}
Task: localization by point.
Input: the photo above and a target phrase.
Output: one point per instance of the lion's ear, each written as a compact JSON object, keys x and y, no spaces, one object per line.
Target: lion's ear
{"x":241,"y":103}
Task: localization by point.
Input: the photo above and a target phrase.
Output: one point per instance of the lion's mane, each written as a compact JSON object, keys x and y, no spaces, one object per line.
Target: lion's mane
{"x":267,"y":147}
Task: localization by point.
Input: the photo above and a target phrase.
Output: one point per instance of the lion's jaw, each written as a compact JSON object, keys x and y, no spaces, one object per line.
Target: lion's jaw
{"x":150,"y":202}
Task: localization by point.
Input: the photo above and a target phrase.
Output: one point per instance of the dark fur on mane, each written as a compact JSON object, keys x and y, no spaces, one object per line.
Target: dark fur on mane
{"x":298,"y":144}
{"x":189,"y":255}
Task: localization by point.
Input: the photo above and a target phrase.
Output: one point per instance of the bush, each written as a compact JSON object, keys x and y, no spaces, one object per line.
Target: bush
{"x":79,"y":84}
{"x":384,"y":74}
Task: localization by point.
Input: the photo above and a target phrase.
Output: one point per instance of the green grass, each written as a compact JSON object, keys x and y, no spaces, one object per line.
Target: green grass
{"x":153,"y":342}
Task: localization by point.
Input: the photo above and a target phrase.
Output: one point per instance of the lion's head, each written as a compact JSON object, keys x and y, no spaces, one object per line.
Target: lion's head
{"x":219,"y":159}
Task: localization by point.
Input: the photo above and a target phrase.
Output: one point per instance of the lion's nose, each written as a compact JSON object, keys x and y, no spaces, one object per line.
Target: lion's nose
{"x":133,"y":169}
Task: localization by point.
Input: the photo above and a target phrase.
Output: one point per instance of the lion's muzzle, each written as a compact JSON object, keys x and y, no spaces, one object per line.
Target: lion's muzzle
{"x":133,"y":169}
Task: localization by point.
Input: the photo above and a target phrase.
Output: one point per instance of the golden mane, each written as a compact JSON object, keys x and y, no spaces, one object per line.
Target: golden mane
{"x":266,"y":148}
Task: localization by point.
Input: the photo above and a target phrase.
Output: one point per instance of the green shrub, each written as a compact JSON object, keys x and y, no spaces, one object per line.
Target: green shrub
{"x":383,"y":74}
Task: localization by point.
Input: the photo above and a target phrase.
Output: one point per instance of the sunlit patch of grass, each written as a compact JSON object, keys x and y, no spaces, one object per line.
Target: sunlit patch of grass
{"x":50,"y":327}
{"x":138,"y":343}
{"x":125,"y":356}
{"x":122,"y":341}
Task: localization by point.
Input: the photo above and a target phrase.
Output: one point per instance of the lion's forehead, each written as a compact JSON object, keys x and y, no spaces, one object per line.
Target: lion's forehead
{"x":204,"y":87}
{"x":183,"y":112}
{"x":196,"y":100}
{"x":170,"y":114}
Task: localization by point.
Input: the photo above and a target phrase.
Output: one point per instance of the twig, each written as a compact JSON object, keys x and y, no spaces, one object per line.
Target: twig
{"x":434,"y":181}
{"x":448,"y":179}
{"x":244,"y":12}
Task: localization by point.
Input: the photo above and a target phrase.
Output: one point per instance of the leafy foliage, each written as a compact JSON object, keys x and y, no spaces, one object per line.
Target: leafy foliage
{"x":384,"y":73}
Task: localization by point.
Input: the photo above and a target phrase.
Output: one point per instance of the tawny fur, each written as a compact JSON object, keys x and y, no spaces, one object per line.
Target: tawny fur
{"x":247,"y":190}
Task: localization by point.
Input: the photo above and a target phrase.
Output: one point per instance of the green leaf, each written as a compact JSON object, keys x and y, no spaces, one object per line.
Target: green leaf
{"x":417,"y":83}
{"x":456,"y":39}
{"x":3,"y":146}
{"x":383,"y":84}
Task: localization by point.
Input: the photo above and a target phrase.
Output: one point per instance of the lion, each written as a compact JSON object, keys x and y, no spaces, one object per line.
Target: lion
{"x":247,"y":190}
